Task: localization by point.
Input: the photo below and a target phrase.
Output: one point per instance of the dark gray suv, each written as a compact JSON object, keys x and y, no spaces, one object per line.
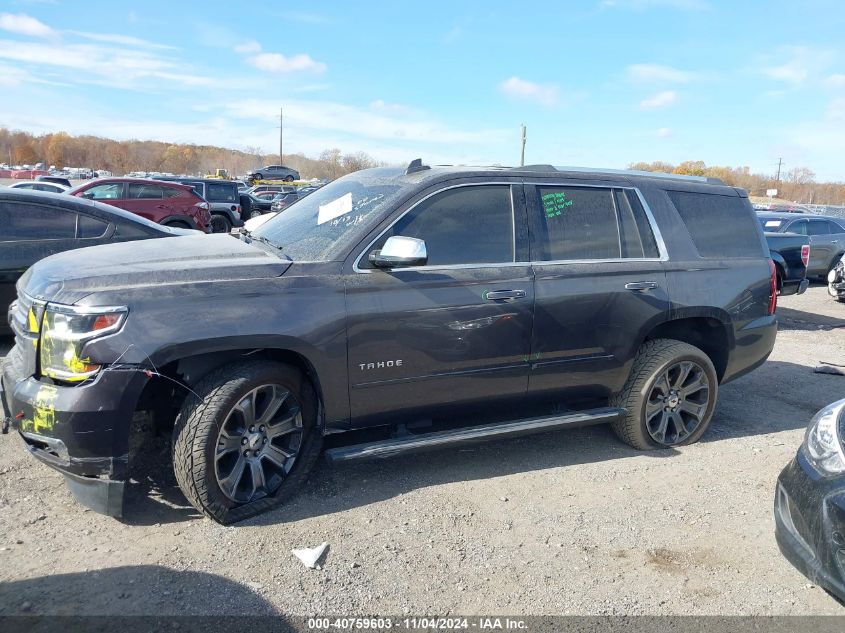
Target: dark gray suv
{"x":438,"y":305}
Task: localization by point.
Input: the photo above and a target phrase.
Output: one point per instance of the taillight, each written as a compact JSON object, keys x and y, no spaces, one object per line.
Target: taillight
{"x":805,"y":254}
{"x":773,"y":287}
{"x":202,"y":205}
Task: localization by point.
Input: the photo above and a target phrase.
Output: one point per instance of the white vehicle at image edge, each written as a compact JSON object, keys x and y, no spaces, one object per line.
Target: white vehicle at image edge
{"x":836,"y":280}
{"x":37,"y":185}
{"x":253,"y":223}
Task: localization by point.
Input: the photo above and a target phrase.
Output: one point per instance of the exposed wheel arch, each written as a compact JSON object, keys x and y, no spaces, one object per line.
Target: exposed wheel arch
{"x":708,"y":334}
{"x":163,"y":397}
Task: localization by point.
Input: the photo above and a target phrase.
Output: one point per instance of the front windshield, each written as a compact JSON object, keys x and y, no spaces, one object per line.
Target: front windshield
{"x":316,"y":228}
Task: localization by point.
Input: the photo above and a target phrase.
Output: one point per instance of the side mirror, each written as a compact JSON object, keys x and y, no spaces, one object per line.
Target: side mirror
{"x":88,"y":196}
{"x":400,"y":251}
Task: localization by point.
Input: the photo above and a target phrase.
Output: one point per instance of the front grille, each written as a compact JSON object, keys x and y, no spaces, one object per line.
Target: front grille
{"x":26,"y":316}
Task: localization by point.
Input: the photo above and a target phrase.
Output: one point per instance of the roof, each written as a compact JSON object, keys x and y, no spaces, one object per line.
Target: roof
{"x":785,"y":215}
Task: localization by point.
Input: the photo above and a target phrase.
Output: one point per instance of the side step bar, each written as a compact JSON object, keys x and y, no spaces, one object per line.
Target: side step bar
{"x":427,"y":441}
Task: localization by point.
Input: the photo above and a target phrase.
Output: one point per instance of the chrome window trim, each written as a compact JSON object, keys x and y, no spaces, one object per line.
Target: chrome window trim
{"x":510,"y":185}
{"x":658,"y":236}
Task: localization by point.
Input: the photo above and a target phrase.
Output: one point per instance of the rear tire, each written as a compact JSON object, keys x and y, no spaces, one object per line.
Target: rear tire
{"x":288,"y":178}
{"x":220,"y":223}
{"x":178,"y":224}
{"x":669,"y":396}
{"x":217,"y":458}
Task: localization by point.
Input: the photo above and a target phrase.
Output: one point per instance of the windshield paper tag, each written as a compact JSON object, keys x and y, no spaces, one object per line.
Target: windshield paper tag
{"x":772,"y":222}
{"x":335,"y":209}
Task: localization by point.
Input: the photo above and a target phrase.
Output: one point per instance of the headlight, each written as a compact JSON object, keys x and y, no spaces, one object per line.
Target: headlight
{"x":823,"y":444}
{"x":66,"y":330}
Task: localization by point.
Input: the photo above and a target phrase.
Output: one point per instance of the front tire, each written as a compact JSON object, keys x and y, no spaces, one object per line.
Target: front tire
{"x":288,"y":178}
{"x":249,"y":443}
{"x":669,"y":396}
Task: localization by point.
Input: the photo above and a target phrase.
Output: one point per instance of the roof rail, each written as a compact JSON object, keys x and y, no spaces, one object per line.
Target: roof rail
{"x":644,"y":174}
{"x":415,"y":166}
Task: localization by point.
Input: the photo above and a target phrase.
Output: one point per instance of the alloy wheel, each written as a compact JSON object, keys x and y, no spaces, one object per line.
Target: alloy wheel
{"x":258,"y":443}
{"x":677,"y":403}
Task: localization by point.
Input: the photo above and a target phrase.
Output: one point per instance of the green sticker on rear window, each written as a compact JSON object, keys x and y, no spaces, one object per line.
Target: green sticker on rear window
{"x":555,"y":203}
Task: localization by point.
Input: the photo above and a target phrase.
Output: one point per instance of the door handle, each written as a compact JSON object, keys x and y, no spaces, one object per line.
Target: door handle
{"x":497,"y":295}
{"x":641,"y":285}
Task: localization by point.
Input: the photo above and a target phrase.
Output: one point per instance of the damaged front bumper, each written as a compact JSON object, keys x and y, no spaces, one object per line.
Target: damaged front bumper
{"x":810,"y":524}
{"x":82,"y":431}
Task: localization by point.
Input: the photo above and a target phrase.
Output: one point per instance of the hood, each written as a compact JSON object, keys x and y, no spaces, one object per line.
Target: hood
{"x":68,"y":277}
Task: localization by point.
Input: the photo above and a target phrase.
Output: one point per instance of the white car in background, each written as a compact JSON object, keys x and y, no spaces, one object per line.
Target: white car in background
{"x":37,"y":185}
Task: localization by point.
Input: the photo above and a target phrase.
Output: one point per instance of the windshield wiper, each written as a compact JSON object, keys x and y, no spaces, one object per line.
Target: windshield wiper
{"x":271,"y":244}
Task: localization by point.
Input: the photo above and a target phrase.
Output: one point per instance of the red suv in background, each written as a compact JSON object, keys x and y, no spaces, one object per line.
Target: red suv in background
{"x":168,"y":203}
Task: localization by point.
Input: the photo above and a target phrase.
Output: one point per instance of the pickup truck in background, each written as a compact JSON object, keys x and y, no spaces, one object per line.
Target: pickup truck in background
{"x":791,"y":255}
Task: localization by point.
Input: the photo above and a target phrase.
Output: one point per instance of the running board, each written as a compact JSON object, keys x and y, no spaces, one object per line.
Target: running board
{"x":427,"y":441}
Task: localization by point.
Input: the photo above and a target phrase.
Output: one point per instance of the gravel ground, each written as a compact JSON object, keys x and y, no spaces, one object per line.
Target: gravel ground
{"x":572,"y":522}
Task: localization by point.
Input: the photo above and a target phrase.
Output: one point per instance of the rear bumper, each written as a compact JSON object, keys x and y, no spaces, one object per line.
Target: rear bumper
{"x":81,"y":431}
{"x":810,"y":524}
{"x":794,"y":287}
{"x":752,"y":345}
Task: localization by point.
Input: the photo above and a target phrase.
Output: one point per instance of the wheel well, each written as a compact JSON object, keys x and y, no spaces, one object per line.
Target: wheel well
{"x":163,"y":397}
{"x":707,"y":334}
{"x":780,"y":275}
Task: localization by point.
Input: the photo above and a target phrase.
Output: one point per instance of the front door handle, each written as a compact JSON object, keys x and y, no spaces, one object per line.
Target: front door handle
{"x":641,"y":285}
{"x":497,"y":295}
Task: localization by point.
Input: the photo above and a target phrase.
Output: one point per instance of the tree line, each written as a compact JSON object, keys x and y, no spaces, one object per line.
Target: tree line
{"x":121,"y":157}
{"x":797,"y":184}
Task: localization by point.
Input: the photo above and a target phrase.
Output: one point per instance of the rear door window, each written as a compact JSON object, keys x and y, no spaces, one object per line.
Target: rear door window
{"x":88,"y":227}
{"x":818,"y":227}
{"x":27,"y":222}
{"x":720,"y":226}
{"x":145,"y":191}
{"x":835,"y":228}
{"x":590,"y":223}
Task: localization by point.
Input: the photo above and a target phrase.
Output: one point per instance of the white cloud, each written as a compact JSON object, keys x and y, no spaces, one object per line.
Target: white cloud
{"x":123,"y":40}
{"x":798,"y":64}
{"x":655,"y":72}
{"x":836,"y":80}
{"x":660,"y":100}
{"x":105,"y":65}
{"x":664,"y":132}
{"x":544,"y":94}
{"x":453,"y":34}
{"x":396,"y":123}
{"x":23,"y":24}
{"x":278,"y":63}
{"x":248,"y":47}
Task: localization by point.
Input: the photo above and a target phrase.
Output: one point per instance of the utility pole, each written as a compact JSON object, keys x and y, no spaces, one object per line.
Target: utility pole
{"x":281,"y":132}
{"x":522,"y":153}
{"x":777,"y":178}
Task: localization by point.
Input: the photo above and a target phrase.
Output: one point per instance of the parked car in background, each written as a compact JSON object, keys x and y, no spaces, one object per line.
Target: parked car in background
{"x":283,"y":201}
{"x":274,"y":172}
{"x":35,"y":185}
{"x":827,"y":236}
{"x":168,"y":203}
{"x":223,"y":199}
{"x":810,"y":502}
{"x":530,"y":298}
{"x":257,"y":205}
{"x":59,"y":180}
{"x":35,"y":225}
{"x":263,"y":189}
{"x":791,"y":253}
{"x":836,"y":281}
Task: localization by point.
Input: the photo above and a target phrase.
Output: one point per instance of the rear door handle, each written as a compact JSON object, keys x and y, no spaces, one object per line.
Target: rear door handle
{"x":641,"y":285}
{"x":496,"y":295}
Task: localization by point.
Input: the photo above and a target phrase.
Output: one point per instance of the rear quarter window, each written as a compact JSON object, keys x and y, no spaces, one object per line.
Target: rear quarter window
{"x":221,"y":193}
{"x":720,"y":226}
